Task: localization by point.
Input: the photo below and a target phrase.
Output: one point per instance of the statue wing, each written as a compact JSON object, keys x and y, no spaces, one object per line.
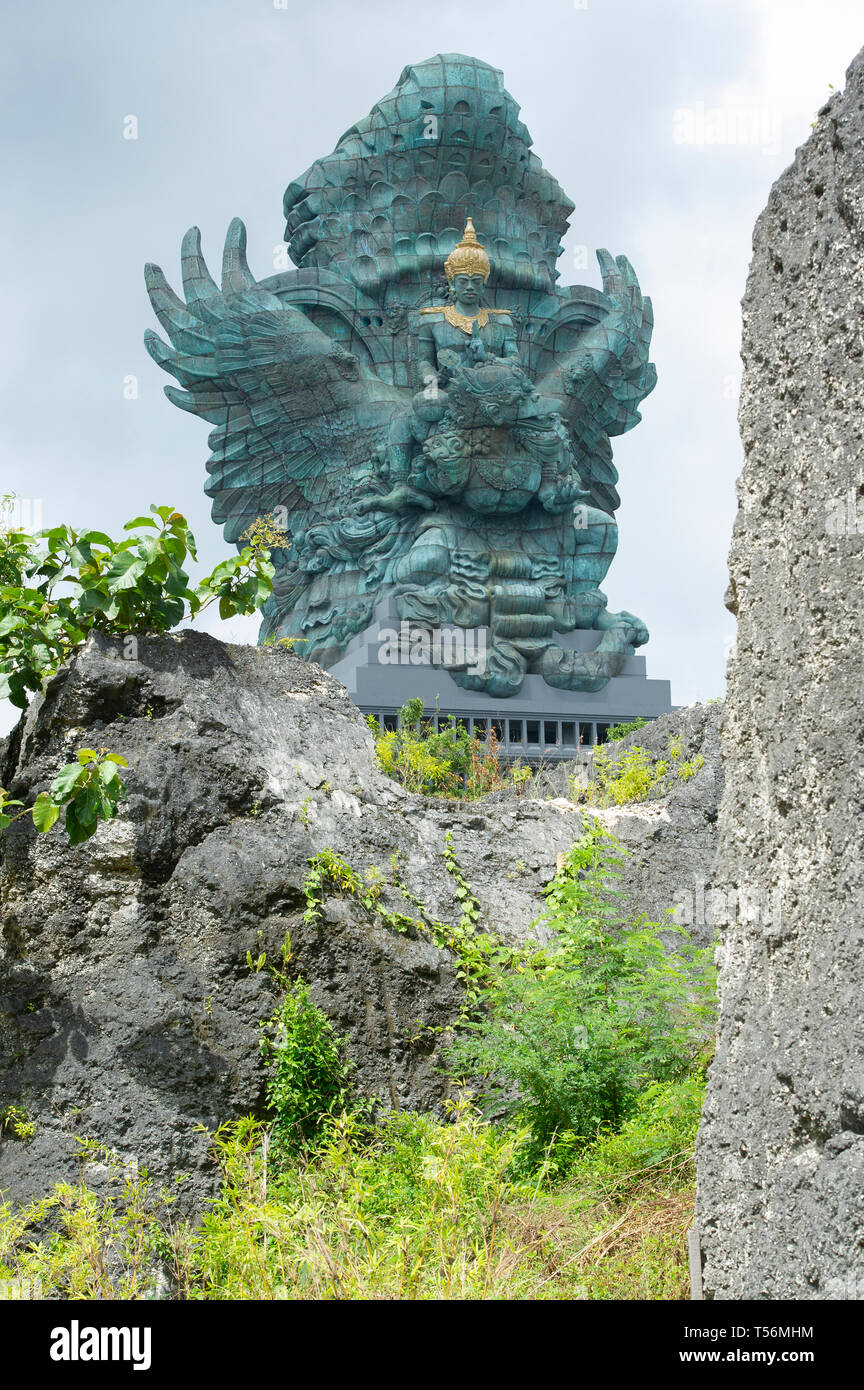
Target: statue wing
{"x":600,"y":381}
{"x":297,"y":417}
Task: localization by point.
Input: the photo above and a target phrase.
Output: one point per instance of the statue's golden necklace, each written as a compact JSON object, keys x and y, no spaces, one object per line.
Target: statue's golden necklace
{"x":465,"y":322}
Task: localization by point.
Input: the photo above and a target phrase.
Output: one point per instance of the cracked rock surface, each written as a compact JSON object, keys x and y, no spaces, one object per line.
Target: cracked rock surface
{"x":670,"y":839}
{"x":781,"y":1150}
{"x":128,"y":1012}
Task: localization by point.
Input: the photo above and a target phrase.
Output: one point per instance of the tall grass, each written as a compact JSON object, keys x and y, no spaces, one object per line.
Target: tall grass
{"x":414,"y":1208}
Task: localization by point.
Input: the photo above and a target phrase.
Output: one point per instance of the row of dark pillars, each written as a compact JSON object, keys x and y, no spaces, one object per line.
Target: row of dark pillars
{"x":539,"y":735}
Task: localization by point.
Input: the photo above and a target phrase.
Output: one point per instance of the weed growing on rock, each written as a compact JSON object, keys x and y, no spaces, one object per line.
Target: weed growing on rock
{"x":634,"y":774}
{"x":309,"y":1076}
{"x":569,"y":1042}
{"x":15,"y":1120}
{"x":444,"y":762}
{"x":622,"y":730}
{"x":478,"y":955}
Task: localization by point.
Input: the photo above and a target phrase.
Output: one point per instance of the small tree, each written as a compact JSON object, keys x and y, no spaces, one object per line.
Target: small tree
{"x":60,"y":584}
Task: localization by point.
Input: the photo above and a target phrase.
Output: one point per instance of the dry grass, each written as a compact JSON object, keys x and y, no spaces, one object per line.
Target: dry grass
{"x":606,"y":1249}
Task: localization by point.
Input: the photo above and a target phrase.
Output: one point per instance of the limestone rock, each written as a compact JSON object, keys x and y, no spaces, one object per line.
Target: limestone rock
{"x":781,"y":1152}
{"x":670,"y":839}
{"x":128,"y":1012}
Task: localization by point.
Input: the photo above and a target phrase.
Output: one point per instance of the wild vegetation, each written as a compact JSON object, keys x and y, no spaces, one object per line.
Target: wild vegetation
{"x":569,"y":1041}
{"x":59,"y":585}
{"x":449,"y":761}
{"x":618,"y":731}
{"x":567,"y":1173}
{"x":634,"y":774}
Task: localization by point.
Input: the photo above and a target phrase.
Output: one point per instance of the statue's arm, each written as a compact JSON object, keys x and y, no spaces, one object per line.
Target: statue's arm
{"x":511,"y":347}
{"x":427,"y":353}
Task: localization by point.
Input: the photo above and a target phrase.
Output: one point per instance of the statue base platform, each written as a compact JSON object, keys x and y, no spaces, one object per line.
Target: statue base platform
{"x":538,"y":723}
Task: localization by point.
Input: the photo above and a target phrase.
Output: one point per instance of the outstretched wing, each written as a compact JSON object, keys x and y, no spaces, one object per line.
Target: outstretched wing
{"x":298,"y":417}
{"x":600,"y":382}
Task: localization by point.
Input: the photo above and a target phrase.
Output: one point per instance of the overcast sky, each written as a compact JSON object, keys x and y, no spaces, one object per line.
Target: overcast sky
{"x":235,"y":98}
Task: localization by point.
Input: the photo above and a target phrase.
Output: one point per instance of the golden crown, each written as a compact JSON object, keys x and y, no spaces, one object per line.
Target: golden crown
{"x":468,"y":257}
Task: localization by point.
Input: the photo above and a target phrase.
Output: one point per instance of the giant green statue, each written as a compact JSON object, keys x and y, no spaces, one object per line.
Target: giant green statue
{"x":421,"y":405}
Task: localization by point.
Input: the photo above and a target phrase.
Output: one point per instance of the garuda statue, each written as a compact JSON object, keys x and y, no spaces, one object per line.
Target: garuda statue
{"x":427,"y":411}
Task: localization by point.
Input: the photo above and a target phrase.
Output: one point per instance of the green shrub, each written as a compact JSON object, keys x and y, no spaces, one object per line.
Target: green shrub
{"x":569,"y":1043}
{"x":622,"y":730}
{"x":443,"y":762}
{"x":661,"y":1132}
{"x":628,"y":778}
{"x":60,"y":584}
{"x":634,"y":774}
{"x":15,"y":1120}
{"x":309,"y":1075}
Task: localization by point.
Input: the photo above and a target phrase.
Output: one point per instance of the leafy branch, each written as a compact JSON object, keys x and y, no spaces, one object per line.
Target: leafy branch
{"x":91,"y":789}
{"x":60,"y":584}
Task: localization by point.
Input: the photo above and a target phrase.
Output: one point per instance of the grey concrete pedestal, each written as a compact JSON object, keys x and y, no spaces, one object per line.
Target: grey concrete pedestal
{"x":538,"y":722}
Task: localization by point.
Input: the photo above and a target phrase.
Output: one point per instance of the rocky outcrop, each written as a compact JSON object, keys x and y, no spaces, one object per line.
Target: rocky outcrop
{"x":128,"y":1012}
{"x":781,"y":1152}
{"x":670,"y":838}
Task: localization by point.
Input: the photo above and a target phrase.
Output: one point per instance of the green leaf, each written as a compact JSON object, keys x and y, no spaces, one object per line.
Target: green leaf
{"x":175,"y":546}
{"x":263,"y":590}
{"x":149,"y":549}
{"x":80,"y":821}
{"x":65,"y":782}
{"x":87,"y":755}
{"x":126,"y":569}
{"x":141,"y":521}
{"x":45,"y":812}
{"x":80,"y":555}
{"x":98,"y":537}
{"x":91,"y":600}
